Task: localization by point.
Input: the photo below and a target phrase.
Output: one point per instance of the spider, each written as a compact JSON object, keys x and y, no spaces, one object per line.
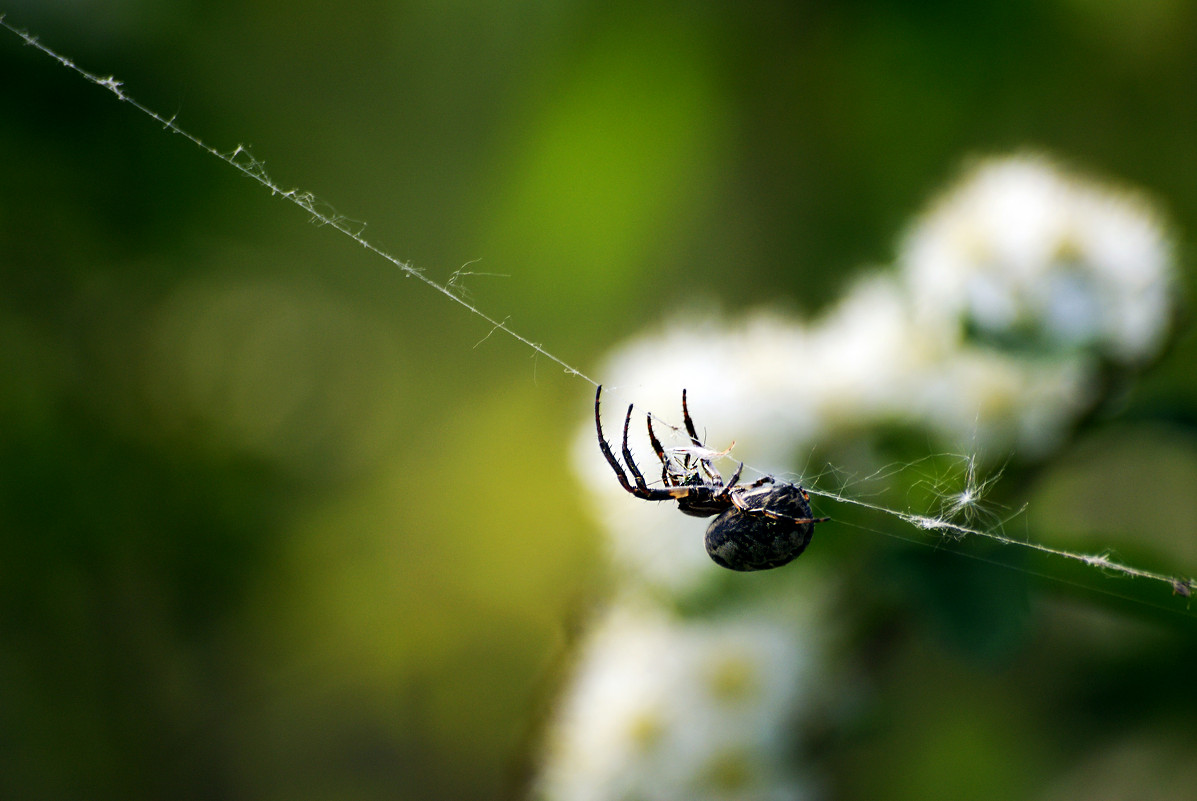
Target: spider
{"x":761,"y":525}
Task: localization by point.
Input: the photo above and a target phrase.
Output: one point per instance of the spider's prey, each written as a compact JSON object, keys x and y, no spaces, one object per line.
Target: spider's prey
{"x":760,"y":525}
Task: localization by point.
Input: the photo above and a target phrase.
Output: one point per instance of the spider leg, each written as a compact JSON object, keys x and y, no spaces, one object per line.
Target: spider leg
{"x":689,"y":423}
{"x":703,"y":464}
{"x":660,"y":451}
{"x":627,"y":455}
{"x":777,"y":516}
{"x":606,"y":449}
{"x":726,"y":493}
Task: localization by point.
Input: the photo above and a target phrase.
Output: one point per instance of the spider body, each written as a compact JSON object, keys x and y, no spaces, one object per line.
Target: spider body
{"x":758,"y":526}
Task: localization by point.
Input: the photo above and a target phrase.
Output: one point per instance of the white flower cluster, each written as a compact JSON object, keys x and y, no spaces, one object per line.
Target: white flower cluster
{"x":1025,"y":256}
{"x":661,"y":710}
{"x":1008,"y":300}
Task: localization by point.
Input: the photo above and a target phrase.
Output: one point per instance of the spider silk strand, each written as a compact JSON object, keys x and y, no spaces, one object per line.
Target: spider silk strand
{"x":244,"y":162}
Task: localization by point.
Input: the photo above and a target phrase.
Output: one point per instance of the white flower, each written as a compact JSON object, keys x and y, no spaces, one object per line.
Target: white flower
{"x":663,"y":708}
{"x":1022,"y":255}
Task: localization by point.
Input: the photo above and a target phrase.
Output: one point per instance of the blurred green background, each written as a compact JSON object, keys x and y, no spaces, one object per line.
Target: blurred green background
{"x":275,"y":524}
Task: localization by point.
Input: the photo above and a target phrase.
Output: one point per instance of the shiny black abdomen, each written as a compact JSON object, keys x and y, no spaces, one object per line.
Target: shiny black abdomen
{"x":767,"y":535}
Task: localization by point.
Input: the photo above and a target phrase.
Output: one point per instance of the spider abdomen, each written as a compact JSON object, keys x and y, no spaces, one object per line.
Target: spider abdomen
{"x":769,"y":526}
